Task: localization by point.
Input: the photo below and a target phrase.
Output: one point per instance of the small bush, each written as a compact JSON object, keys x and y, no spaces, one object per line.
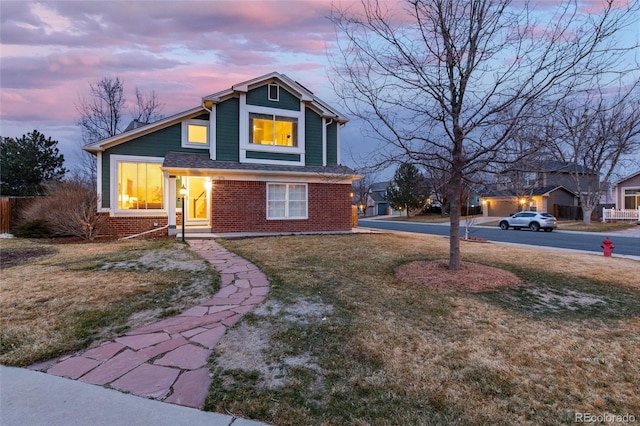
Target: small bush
{"x":68,"y":209}
{"x":37,"y":228}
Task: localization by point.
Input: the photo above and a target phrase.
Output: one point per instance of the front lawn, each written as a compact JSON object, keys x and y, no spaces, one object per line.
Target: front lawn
{"x":341,"y":340}
{"x":60,"y":298}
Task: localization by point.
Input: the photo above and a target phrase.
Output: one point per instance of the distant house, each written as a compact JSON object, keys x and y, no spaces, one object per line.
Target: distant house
{"x":507,"y":202}
{"x":377,"y":203}
{"x":260,"y":156}
{"x":544,"y":186}
{"x":626,"y":192}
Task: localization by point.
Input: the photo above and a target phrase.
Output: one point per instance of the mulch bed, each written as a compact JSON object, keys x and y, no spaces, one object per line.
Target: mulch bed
{"x":470,"y":277}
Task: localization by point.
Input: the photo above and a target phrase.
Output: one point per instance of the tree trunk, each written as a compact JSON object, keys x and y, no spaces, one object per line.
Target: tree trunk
{"x":586,"y":216}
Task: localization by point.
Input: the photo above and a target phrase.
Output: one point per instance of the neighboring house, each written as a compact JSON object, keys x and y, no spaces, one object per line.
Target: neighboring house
{"x":507,"y":202}
{"x":544,"y":174}
{"x":261,"y":156}
{"x":545,"y":186}
{"x":626,"y":192}
{"x":377,"y":204}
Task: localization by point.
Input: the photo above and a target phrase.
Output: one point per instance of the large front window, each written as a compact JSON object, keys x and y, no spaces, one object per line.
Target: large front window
{"x":266,"y":129}
{"x":140,"y":186}
{"x":632,"y":199}
{"x":286,"y":201}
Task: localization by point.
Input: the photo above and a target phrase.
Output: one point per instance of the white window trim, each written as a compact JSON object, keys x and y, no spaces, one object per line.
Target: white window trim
{"x":245,"y":146}
{"x":113,"y":183}
{"x":286,"y":206}
{"x":185,"y":134}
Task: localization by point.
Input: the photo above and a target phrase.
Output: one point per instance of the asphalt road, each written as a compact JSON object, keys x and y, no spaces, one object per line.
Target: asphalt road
{"x":583,"y":241}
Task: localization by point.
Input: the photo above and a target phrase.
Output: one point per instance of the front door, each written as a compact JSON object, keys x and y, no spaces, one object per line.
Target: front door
{"x":197,"y":203}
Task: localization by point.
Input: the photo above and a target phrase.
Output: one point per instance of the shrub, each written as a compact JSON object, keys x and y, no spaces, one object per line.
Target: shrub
{"x":68,"y":209}
{"x":33,"y":229}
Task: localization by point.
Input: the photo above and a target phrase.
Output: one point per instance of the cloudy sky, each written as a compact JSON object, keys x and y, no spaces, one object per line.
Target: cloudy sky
{"x":51,"y":51}
{"x":183,"y":50}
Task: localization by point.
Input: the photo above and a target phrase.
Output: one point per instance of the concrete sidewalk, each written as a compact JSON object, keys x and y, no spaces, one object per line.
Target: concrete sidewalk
{"x":33,"y":398}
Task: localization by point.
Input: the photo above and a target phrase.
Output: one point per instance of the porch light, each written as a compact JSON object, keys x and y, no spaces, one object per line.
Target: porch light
{"x":183,"y":193}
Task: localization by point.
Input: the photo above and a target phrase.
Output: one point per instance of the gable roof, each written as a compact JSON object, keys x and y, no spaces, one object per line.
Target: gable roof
{"x":136,"y":132}
{"x":631,"y":176}
{"x":304,"y":94}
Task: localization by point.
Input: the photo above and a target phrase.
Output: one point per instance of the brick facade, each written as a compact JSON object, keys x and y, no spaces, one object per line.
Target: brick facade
{"x":241,"y":206}
{"x":123,"y":226}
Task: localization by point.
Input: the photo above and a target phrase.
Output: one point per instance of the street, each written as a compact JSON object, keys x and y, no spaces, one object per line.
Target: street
{"x":627,"y":245}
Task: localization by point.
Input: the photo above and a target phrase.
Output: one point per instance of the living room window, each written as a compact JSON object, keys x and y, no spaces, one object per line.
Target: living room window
{"x":267,"y":129}
{"x":286,"y":201}
{"x":140,"y":186}
{"x":195,"y":134}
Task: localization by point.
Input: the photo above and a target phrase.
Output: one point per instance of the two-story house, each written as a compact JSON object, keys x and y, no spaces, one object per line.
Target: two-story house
{"x":542,"y":186}
{"x":262,"y":156}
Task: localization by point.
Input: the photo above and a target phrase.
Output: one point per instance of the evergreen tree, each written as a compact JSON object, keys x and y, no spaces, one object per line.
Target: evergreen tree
{"x":27,"y":163}
{"x":407,"y":190}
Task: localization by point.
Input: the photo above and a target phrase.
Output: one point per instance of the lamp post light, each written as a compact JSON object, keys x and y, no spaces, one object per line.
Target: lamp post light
{"x":183,"y":193}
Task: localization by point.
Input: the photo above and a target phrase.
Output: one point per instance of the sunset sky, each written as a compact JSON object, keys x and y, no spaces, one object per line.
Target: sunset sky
{"x":183,"y":50}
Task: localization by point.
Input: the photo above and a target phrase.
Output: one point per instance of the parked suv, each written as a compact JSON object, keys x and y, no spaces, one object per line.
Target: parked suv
{"x":532,"y":220}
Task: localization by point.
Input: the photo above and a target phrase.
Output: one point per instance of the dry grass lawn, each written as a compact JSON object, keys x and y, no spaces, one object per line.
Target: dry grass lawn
{"x":380,"y":350}
{"x":57,"y":298}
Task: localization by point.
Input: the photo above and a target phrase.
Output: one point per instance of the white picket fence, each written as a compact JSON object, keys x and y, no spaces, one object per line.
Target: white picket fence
{"x":622,"y":214}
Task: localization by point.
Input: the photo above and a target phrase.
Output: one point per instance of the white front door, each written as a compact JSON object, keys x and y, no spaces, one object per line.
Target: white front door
{"x":197,"y":203}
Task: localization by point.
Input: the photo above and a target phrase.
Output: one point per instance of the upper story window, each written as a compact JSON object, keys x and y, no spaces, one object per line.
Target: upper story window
{"x":195,"y":134}
{"x":267,"y":129}
{"x":530,"y":179}
{"x":274,"y":92}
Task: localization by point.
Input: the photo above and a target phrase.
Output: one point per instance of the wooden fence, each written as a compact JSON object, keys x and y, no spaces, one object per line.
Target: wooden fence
{"x":10,"y":208}
{"x":622,"y":214}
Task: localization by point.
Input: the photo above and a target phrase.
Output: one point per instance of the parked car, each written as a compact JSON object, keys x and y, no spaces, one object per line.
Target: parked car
{"x":532,"y":220}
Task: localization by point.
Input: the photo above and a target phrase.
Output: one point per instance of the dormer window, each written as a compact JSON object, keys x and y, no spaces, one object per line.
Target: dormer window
{"x":266,"y":129}
{"x":274,"y":92}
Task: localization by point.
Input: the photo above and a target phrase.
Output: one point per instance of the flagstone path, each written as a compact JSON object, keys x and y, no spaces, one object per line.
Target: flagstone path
{"x":167,"y":360}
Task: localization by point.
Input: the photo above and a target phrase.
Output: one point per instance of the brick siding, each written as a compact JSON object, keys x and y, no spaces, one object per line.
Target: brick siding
{"x":123,"y":226}
{"x":241,"y":206}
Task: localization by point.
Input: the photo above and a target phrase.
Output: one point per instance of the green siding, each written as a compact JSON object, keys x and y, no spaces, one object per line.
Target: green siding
{"x":152,"y":145}
{"x":313,"y":138}
{"x":332,"y":144}
{"x":260,"y":97}
{"x":258,"y":155}
{"x":228,"y":130}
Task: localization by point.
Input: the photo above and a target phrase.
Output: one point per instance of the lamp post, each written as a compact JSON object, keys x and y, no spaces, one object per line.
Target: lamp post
{"x":183,"y":193}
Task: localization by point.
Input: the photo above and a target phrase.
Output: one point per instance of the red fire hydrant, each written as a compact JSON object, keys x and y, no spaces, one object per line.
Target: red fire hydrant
{"x":607,"y":247}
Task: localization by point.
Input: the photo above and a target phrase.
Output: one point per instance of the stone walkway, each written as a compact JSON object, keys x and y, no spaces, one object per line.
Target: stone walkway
{"x":167,"y":360}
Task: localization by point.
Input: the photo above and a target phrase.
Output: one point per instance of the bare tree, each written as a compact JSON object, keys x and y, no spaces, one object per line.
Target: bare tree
{"x":102,"y":115}
{"x":147,"y":107}
{"x":434,"y":78}
{"x":592,"y":135}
